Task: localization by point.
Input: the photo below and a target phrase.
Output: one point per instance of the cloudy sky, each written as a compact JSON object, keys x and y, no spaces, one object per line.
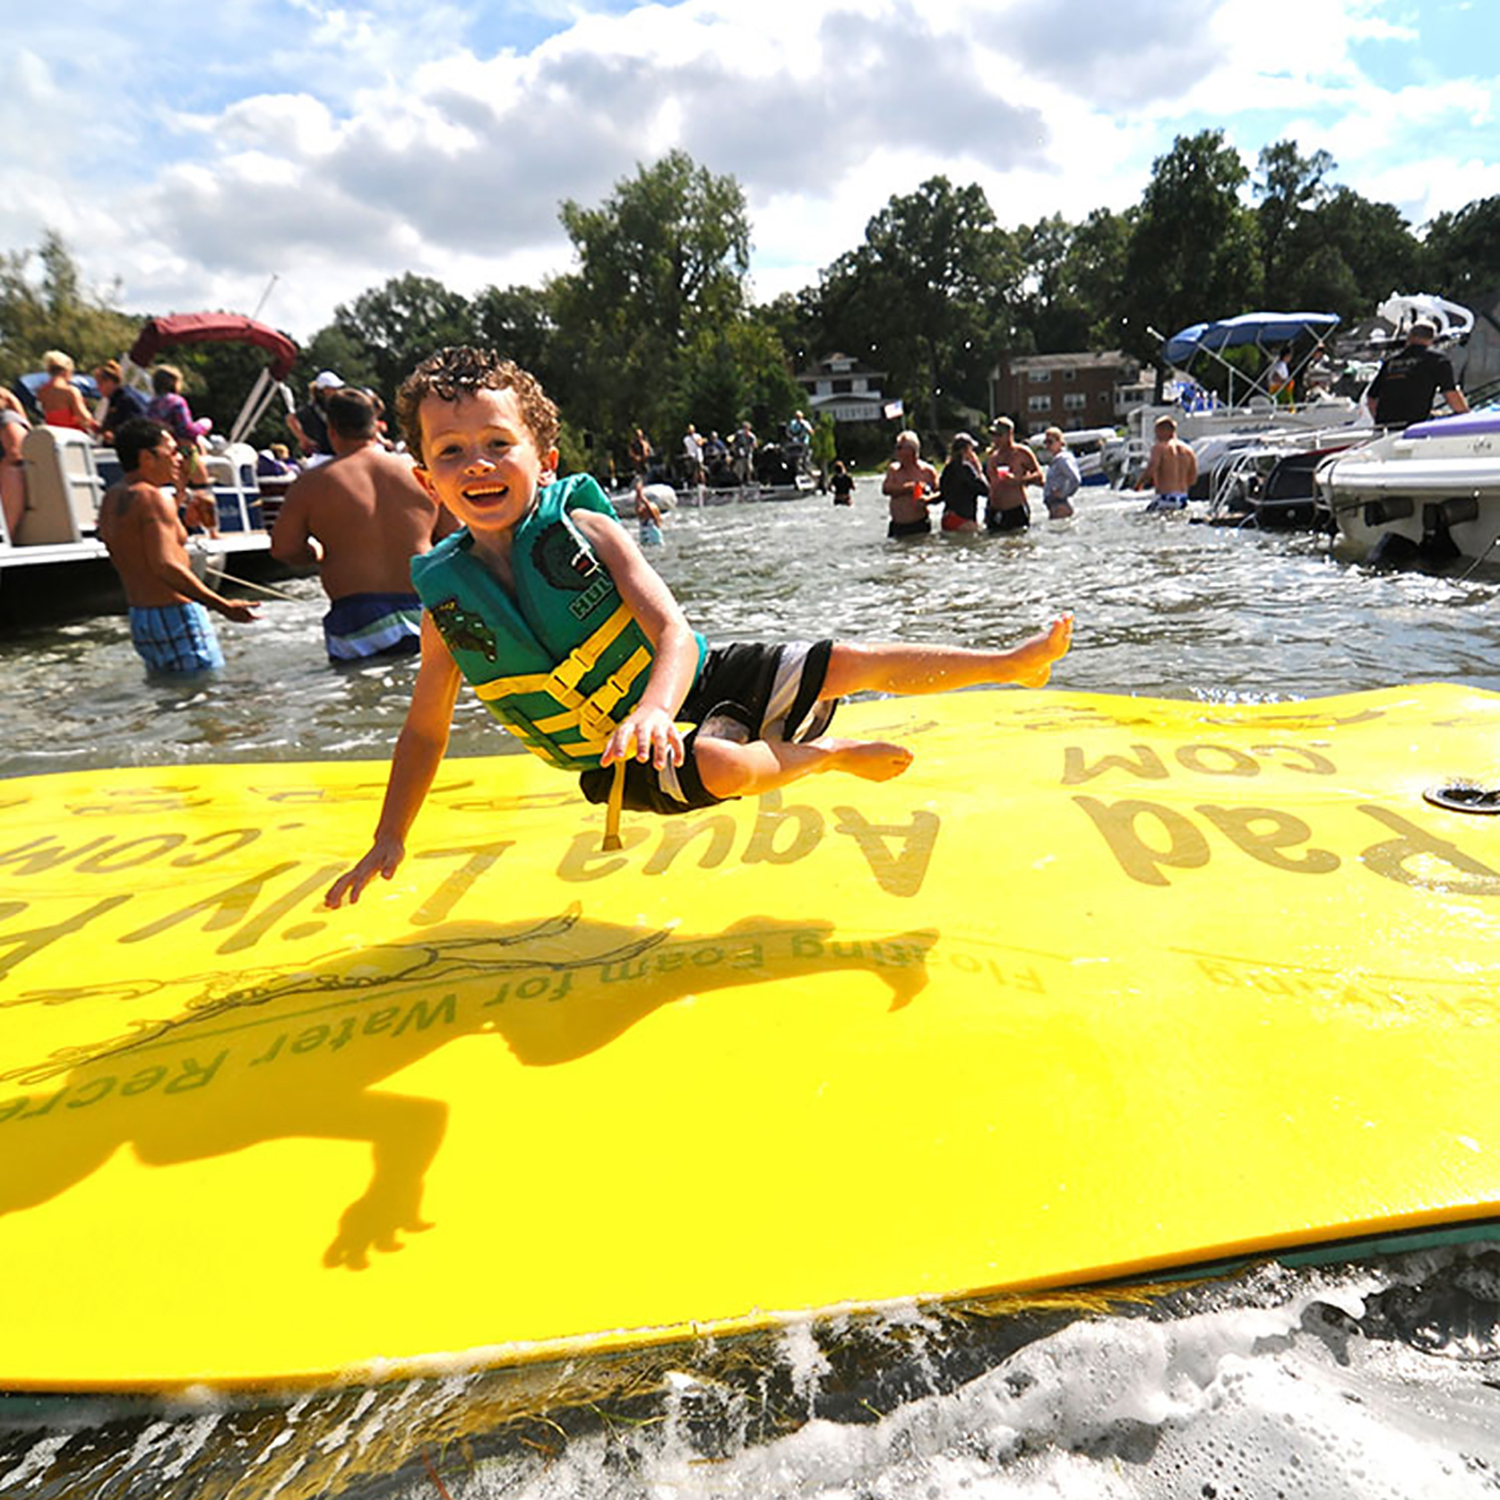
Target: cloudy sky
{"x":191,"y":152}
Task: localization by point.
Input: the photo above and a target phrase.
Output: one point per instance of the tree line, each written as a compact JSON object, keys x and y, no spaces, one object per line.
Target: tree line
{"x":655,"y":324}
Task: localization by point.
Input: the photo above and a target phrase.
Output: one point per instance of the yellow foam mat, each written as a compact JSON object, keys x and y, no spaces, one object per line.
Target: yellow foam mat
{"x":1102,"y":985}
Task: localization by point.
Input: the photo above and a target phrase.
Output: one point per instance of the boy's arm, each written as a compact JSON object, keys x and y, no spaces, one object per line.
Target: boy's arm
{"x":418,"y":754}
{"x":650,"y":728}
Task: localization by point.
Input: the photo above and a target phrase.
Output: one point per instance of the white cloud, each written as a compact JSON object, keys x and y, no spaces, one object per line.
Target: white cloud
{"x":351,"y":143}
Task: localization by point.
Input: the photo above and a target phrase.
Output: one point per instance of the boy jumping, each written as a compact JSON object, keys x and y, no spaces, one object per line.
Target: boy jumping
{"x":544,"y":604}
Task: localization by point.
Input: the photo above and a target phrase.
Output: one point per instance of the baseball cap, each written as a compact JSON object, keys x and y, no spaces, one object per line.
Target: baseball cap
{"x":326,"y":379}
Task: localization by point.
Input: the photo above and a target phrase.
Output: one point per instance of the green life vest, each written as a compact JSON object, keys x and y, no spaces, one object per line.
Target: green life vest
{"x":562,"y":660}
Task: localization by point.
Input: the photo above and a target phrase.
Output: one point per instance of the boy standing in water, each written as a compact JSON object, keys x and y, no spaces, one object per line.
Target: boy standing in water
{"x":545,"y":605}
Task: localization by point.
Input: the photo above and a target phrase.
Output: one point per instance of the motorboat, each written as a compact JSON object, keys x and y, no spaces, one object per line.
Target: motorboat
{"x":1430,"y":493}
{"x":1249,"y":410}
{"x":1268,"y":483}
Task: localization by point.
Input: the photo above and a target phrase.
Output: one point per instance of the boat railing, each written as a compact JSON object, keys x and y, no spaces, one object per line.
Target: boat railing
{"x":67,"y":475}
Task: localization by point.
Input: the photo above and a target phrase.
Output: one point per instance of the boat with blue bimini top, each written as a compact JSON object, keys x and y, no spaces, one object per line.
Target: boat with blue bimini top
{"x":1429,"y":494}
{"x":54,"y":563}
{"x":1250,"y":408}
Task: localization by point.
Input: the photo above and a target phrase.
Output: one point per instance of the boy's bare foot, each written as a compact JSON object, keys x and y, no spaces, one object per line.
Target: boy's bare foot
{"x":1034,"y":658}
{"x":873,"y":760}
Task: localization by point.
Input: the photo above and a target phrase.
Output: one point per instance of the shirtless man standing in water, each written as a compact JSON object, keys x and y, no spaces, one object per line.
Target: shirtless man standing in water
{"x":911,"y":486}
{"x":1170,"y":470}
{"x":361,"y":517}
{"x":1009,"y":467}
{"x":147,"y":545}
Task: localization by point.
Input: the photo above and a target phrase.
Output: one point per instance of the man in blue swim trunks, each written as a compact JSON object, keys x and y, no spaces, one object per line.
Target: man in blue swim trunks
{"x":1170,"y":470}
{"x":147,"y":544}
{"x":361,"y":518}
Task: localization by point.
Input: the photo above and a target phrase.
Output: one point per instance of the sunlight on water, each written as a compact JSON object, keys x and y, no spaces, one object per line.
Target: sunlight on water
{"x":1164,"y":608}
{"x":1368,"y":1382}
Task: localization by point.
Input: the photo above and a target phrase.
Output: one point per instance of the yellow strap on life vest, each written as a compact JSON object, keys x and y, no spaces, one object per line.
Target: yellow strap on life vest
{"x":612,"y":838}
{"x":562,"y":681}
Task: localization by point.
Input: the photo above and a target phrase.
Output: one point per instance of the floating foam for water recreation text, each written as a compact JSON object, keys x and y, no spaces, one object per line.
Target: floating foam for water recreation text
{"x":1101,"y":986}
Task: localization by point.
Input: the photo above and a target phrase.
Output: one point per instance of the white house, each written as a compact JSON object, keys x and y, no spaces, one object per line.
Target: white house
{"x":847,"y":390}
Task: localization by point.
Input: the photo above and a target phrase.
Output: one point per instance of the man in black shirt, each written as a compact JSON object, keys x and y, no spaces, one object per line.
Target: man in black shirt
{"x":1401,"y":393}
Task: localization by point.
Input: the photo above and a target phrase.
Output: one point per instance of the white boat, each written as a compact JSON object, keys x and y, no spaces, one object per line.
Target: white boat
{"x":1429,"y":494}
{"x":1214,"y":425}
{"x":55,"y":563}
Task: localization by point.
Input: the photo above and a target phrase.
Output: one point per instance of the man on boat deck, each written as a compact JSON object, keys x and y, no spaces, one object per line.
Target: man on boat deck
{"x":547,"y":607}
{"x":1170,"y":470}
{"x":147,"y":545}
{"x":360,"y":518}
{"x":1404,"y":386}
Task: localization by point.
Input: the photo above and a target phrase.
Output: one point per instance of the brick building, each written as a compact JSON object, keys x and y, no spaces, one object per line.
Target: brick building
{"x":1065,"y":390}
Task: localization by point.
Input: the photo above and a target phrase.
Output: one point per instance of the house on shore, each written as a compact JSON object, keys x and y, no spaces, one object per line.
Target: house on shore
{"x":847,"y":390}
{"x":1066,"y":390}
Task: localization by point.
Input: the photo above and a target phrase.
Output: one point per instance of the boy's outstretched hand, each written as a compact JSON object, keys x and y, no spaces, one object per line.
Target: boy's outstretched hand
{"x":384,"y":859}
{"x":650,"y":734}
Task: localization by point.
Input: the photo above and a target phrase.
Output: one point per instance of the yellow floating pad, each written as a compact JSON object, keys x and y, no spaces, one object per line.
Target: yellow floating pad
{"x":1101,"y":986}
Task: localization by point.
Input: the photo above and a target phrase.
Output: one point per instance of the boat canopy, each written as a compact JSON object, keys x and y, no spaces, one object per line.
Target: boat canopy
{"x":229,"y":328}
{"x":225,"y":328}
{"x":1247,"y":328}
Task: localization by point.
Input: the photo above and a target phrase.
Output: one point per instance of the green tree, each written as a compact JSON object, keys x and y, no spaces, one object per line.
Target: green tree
{"x":730,"y":374}
{"x":389,"y":330}
{"x":1362,"y":251}
{"x":1463,"y":251}
{"x":518,"y":322}
{"x":933,"y":280}
{"x":1193,"y":251}
{"x":1290,"y":188}
{"x":1073,"y":276}
{"x":661,"y":260}
{"x":44,"y":305}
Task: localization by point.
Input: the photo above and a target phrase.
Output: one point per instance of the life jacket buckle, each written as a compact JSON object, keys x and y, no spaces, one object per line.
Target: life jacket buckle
{"x":595,"y":721}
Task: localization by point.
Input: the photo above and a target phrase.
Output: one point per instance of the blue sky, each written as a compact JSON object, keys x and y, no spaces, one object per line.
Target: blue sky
{"x":190,"y":154}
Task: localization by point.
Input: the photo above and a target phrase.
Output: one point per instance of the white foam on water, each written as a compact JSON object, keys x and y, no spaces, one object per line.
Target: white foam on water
{"x":1276,"y":1401}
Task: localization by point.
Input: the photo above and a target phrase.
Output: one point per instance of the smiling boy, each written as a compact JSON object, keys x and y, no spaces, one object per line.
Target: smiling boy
{"x":544,"y":604}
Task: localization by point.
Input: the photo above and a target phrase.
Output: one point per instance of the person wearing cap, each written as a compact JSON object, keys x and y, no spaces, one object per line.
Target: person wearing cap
{"x":1009,"y":467}
{"x":309,"y":423}
{"x":1403,"y":388}
{"x":963,"y":484}
{"x":124,"y":400}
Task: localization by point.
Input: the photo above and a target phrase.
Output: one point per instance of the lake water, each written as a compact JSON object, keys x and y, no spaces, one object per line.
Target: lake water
{"x":1365,"y":1380}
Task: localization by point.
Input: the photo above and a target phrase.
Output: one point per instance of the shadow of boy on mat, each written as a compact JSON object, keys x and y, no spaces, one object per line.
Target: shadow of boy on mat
{"x":214,"y":1063}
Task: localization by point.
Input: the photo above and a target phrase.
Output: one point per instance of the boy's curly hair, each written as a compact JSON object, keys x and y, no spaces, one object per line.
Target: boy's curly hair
{"x":460,"y":370}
